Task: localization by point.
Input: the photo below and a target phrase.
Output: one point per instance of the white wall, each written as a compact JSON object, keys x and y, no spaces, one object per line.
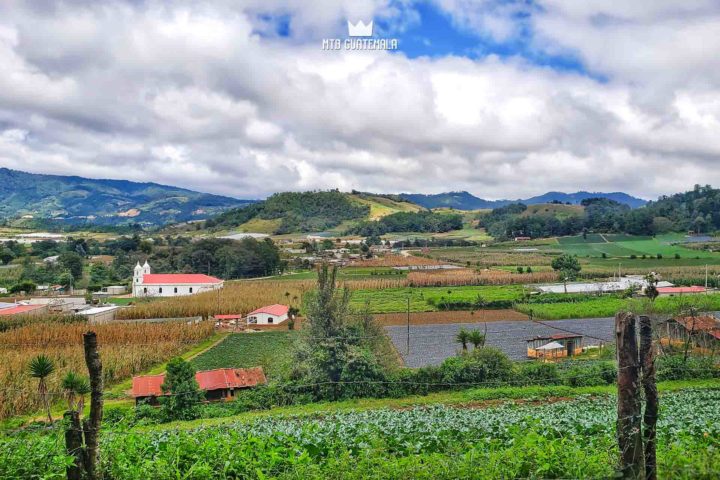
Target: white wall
{"x":170,"y":290}
{"x":263,"y":319}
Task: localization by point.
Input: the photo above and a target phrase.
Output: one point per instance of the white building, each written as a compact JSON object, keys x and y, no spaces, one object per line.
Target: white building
{"x":148,"y":284}
{"x":100,"y":314}
{"x":270,"y":315}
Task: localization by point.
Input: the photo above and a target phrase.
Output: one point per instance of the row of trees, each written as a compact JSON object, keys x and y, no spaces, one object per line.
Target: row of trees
{"x":599,"y":215}
{"x":424,"y":221}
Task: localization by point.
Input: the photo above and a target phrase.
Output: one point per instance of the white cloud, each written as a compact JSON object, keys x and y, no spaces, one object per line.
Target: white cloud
{"x":204,"y":96}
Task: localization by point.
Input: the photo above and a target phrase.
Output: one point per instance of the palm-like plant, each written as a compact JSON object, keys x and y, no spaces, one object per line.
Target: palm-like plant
{"x":476,"y":338}
{"x":462,"y":337}
{"x":42,"y":367}
{"x":82,"y":389}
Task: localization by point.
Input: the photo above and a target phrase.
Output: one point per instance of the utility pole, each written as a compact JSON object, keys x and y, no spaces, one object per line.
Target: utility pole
{"x":407,"y":345}
{"x":706,"y":278}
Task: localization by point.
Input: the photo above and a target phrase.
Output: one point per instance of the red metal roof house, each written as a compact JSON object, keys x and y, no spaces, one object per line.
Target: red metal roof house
{"x":218,"y":384}
{"x":269,"y":315}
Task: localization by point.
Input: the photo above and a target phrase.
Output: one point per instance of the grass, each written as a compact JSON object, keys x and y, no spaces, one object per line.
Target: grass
{"x":595,"y":308}
{"x":391,"y":300}
{"x":270,"y":350}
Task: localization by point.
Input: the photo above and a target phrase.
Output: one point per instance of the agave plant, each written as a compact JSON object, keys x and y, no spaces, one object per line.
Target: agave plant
{"x":42,"y":367}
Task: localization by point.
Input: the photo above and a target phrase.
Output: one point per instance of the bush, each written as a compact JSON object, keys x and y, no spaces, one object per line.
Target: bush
{"x":534,"y":373}
{"x":603,"y":373}
{"x":674,"y":367}
{"x":479,"y":366}
{"x":27,"y":287}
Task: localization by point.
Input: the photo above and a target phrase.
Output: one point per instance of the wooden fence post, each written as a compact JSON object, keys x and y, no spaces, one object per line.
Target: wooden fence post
{"x":91,"y":425}
{"x":74,"y":445}
{"x":629,"y":428}
{"x":647,"y":359}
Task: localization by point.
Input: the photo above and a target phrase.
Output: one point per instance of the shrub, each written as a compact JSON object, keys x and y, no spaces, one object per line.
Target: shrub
{"x":603,"y":373}
{"x":481,"y":365}
{"x":534,"y":373}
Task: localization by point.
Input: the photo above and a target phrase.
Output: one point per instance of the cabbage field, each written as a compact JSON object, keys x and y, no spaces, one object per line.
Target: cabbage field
{"x":527,"y":439}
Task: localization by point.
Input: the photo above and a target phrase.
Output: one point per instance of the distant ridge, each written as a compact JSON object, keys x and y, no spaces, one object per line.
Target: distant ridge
{"x":68,"y":200}
{"x":467,"y":201}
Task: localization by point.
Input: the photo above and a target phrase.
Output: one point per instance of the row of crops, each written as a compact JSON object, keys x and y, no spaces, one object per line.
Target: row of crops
{"x":570,"y":438}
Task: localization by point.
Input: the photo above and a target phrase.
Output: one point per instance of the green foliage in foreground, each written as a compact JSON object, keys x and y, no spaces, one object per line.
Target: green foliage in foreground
{"x":567,"y":439}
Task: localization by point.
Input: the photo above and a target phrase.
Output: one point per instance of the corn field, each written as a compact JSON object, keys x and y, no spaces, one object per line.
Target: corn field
{"x":395,"y":261}
{"x":470,"y":277}
{"x":125,"y":349}
{"x":236,"y":297}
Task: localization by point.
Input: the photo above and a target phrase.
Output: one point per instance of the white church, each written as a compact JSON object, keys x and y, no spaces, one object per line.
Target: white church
{"x":148,"y":284}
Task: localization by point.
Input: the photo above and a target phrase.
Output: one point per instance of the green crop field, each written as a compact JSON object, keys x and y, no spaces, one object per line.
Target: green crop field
{"x":629,"y":251}
{"x":391,"y":300}
{"x":563,"y":439}
{"x":270,"y":350}
{"x":608,"y":306}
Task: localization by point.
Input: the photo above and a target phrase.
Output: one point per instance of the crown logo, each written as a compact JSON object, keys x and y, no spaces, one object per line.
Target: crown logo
{"x":360,"y":29}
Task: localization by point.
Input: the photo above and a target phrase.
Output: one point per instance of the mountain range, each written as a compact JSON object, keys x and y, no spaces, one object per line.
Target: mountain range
{"x":467,"y":201}
{"x":72,"y":200}
{"x":76,"y":200}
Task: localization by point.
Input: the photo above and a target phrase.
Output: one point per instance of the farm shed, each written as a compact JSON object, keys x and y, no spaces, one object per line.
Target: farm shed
{"x":704,"y":330}
{"x":100,"y":314}
{"x":270,"y":315}
{"x":554,"y":346}
{"x":219,"y":384}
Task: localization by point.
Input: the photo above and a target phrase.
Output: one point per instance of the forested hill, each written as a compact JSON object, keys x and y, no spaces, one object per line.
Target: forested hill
{"x":697,"y":210}
{"x":467,"y":201}
{"x":289,"y":212}
{"x":76,"y":200}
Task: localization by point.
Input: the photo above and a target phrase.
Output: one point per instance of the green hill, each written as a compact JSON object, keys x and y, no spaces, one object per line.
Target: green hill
{"x":36,"y":199}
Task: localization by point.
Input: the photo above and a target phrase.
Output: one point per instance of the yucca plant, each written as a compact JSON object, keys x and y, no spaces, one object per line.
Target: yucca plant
{"x":42,"y":367}
{"x":75,"y":387}
{"x":476,"y":338}
{"x":462,"y":337}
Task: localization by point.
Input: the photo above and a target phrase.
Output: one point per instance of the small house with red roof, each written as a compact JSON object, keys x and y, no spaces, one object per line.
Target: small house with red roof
{"x":148,"y":284}
{"x":22,"y":310}
{"x":269,"y":315}
{"x":218,"y":384}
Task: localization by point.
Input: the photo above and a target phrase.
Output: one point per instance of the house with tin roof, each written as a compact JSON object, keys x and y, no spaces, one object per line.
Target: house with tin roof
{"x":218,"y":384}
{"x":269,"y":315}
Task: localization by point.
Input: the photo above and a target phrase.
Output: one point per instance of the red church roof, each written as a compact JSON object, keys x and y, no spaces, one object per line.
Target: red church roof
{"x":276,"y":309}
{"x":177,"y":278}
{"x":221,"y":378}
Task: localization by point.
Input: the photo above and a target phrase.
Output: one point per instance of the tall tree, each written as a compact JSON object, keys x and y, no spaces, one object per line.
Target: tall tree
{"x":184,"y":391}
{"x":568,"y":266}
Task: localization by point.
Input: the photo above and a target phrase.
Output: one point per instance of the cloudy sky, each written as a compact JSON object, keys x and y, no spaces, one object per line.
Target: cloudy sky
{"x":501,"y":98}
